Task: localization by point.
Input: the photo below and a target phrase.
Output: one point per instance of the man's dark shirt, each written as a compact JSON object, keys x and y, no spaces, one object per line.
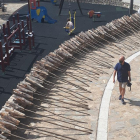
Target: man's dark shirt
{"x":122,"y":71}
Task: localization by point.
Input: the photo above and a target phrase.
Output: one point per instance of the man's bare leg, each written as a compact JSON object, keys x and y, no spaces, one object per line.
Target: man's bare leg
{"x":123,"y":92}
{"x":120,"y":88}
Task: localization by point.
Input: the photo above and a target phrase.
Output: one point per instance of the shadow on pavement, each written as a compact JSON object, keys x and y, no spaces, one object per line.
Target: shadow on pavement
{"x":133,"y":102}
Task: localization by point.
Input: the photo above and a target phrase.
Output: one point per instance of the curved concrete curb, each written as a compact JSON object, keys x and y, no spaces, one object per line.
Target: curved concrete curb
{"x":104,"y":108}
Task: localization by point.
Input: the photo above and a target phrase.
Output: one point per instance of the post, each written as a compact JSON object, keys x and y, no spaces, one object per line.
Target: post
{"x":131,"y":7}
{"x":17,"y":17}
{"x":33,"y":41}
{"x":38,"y":3}
{"x":4,"y":32}
{"x":29,"y":9}
{"x":29,"y":6}
{"x":27,"y":23}
{"x":14,"y":22}
{"x":79,"y":6}
{"x":61,"y":6}
{"x":9,"y":31}
{"x":30,"y":24}
{"x":8,"y":27}
{"x":19,"y":36}
{"x":30,"y":42}
{"x":23,"y":33}
{"x":7,"y":49}
{"x":1,"y":57}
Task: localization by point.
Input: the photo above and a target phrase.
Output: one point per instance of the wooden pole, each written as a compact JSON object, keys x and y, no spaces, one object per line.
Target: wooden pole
{"x":131,"y":7}
{"x":29,"y":10}
{"x":1,"y":57}
{"x":29,"y":6}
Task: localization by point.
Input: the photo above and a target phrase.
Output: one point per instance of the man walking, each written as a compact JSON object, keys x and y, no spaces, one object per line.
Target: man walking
{"x":123,"y":73}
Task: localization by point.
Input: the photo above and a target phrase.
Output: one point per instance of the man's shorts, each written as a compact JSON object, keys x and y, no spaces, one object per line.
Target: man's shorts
{"x":70,"y":27}
{"x":123,"y":84}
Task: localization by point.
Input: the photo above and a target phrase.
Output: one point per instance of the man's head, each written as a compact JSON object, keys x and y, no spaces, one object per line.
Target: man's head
{"x":68,"y":19}
{"x":121,"y":60}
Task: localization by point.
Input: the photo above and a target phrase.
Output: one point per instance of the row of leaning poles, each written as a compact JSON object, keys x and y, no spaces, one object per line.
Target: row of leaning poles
{"x":16,"y":36}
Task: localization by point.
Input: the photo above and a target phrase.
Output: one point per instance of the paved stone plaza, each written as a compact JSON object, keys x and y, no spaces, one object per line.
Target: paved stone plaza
{"x":11,"y":9}
{"x":124,"y":120}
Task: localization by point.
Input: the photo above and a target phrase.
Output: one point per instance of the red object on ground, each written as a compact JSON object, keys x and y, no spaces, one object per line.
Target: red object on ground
{"x":91,"y":13}
{"x":98,"y":15}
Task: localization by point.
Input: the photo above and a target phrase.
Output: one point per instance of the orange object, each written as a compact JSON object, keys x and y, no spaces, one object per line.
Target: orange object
{"x":91,"y":13}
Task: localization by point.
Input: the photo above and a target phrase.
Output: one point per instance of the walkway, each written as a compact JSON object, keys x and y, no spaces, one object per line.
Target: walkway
{"x":124,"y":120}
{"x":118,"y":114}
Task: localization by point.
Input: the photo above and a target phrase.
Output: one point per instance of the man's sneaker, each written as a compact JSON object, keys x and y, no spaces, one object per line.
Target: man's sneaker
{"x":122,"y":101}
{"x":120,"y":97}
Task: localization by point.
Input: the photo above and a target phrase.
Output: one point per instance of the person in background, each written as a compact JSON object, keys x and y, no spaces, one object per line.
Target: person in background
{"x":69,"y":25}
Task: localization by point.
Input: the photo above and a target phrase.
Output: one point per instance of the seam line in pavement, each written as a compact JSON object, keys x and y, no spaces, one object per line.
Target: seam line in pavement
{"x":104,"y":107}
